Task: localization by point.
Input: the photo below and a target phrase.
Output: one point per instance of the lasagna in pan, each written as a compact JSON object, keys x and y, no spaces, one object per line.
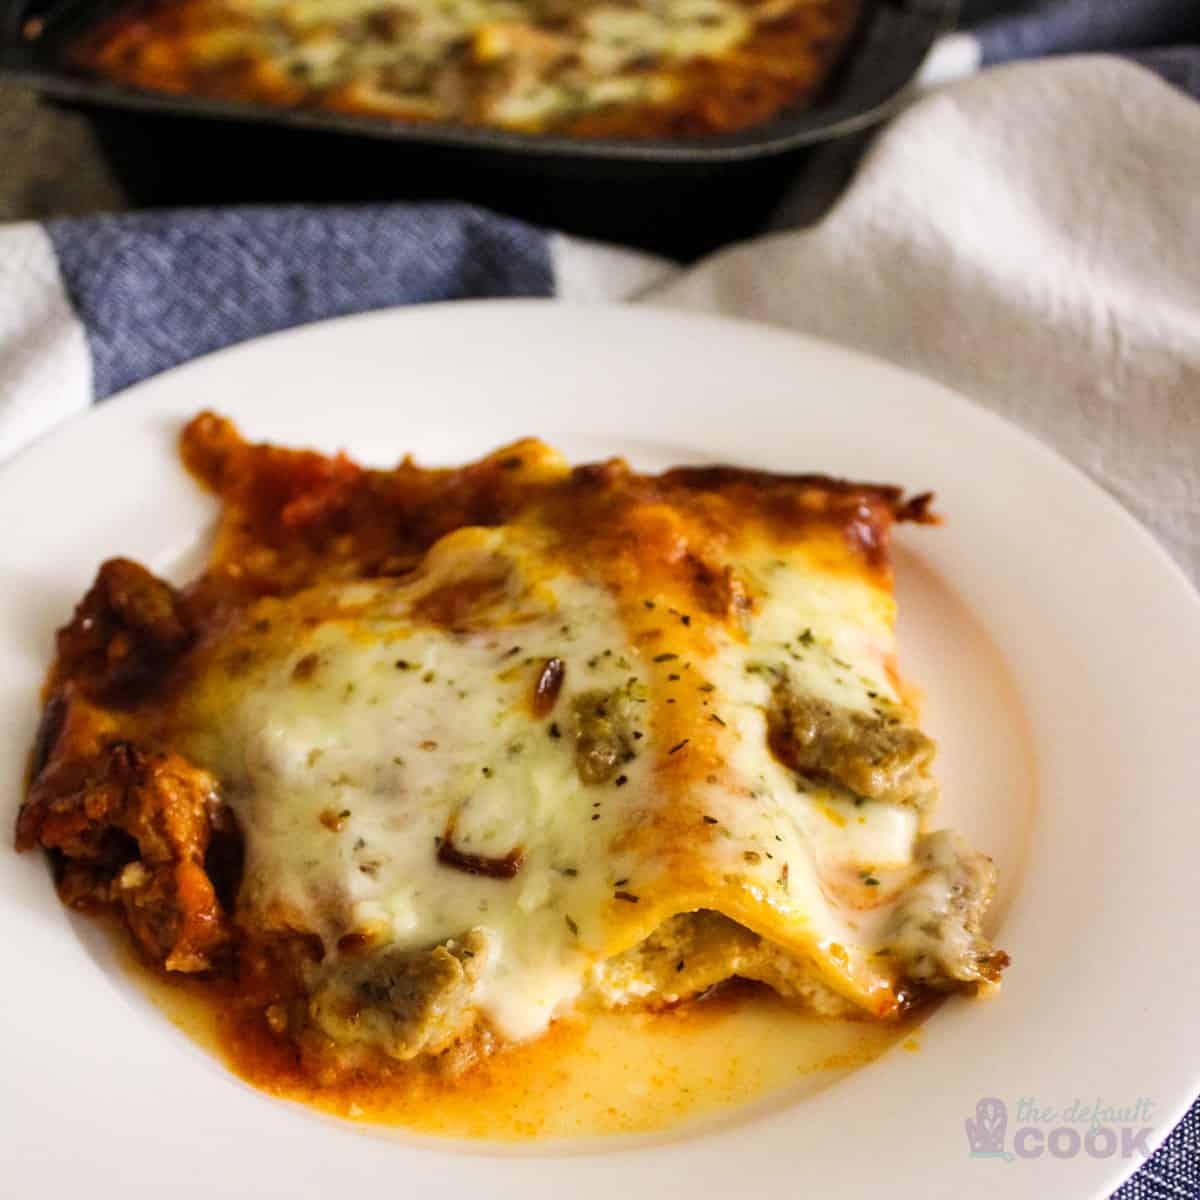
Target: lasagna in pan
{"x":426,"y":760}
{"x":631,"y":68}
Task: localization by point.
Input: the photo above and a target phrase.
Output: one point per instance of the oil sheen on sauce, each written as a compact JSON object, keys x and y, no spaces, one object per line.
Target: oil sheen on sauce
{"x":604,"y":1074}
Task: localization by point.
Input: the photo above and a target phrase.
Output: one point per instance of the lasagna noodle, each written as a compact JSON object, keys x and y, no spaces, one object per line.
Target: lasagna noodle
{"x":502,"y":741}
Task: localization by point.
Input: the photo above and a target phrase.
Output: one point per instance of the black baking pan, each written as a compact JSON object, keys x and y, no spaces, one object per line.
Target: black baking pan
{"x":680,"y":197}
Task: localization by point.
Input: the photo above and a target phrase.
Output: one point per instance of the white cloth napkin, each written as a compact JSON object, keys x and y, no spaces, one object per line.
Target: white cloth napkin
{"x":1030,"y":237}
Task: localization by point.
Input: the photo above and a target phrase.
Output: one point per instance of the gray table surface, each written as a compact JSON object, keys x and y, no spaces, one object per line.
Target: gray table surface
{"x":50,"y":164}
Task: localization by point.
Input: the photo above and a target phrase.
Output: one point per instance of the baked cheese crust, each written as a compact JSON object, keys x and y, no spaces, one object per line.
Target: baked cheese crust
{"x":635,"y":68}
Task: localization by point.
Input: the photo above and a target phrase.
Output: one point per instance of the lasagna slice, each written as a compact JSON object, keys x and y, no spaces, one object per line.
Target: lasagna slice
{"x":427,"y":758}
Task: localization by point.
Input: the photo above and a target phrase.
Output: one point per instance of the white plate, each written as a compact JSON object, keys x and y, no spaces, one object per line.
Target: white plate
{"x":1058,"y":647}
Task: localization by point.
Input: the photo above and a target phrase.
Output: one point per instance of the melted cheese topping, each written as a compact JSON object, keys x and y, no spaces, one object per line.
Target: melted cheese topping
{"x":316,"y":47}
{"x":354,"y":739}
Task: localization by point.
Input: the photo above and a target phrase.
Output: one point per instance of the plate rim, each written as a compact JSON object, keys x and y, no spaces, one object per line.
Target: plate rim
{"x":146,"y":392}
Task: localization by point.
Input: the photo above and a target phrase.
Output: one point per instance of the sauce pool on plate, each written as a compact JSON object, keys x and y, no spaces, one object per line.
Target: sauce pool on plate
{"x":603,"y":1074}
